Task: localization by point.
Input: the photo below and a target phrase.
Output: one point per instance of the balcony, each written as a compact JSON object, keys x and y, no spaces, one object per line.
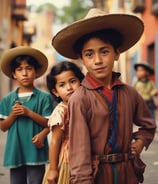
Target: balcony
{"x":19,"y":12}
{"x":138,"y":6}
{"x":154,"y":7}
{"x":28,"y":32}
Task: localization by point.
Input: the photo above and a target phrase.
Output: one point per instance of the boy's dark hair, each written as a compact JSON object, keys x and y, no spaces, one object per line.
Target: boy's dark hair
{"x":59,"y":68}
{"x":30,"y":60}
{"x":110,"y":36}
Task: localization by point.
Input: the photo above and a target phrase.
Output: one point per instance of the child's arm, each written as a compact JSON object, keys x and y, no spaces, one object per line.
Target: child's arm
{"x":54,"y":151}
{"x":38,"y":139}
{"x":7,"y":123}
{"x":22,"y":110}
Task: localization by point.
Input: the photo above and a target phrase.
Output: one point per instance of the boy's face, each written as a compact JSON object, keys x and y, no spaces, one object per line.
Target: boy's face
{"x":25,"y":74}
{"x":142,"y":73}
{"x":99,"y":57}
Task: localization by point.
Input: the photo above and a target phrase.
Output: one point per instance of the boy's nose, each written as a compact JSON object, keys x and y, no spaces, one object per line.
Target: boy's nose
{"x":98,"y":59}
{"x":24,"y":71}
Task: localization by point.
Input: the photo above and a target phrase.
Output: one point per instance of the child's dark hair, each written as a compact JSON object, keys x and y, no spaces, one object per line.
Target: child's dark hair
{"x":110,"y":36}
{"x":30,"y":60}
{"x":59,"y":68}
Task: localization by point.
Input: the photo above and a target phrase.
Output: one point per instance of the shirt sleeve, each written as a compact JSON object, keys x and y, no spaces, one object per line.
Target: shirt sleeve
{"x":80,"y":146}
{"x":5,"y":107}
{"x":47,"y":105}
{"x":145,"y":122}
{"x":58,"y":116}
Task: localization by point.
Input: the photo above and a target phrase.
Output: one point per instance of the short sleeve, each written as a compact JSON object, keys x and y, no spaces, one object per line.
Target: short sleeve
{"x":58,"y":116}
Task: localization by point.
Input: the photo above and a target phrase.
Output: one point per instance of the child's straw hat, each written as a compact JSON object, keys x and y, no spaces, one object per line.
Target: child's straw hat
{"x":11,"y":54}
{"x":146,"y":66}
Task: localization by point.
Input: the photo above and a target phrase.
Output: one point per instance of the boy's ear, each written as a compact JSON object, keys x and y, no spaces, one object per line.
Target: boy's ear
{"x":13,"y":75}
{"x":117,"y":55}
{"x":54,"y":91}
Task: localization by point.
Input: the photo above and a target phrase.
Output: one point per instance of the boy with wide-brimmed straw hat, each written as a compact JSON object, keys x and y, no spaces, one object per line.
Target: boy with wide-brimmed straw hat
{"x":145,"y":86}
{"x":103,"y":147}
{"x":24,"y":113}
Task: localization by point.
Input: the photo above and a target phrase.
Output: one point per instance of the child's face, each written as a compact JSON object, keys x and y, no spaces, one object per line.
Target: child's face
{"x":66,"y":84}
{"x":99,"y":57}
{"x":25,"y":74}
{"x":142,"y":73}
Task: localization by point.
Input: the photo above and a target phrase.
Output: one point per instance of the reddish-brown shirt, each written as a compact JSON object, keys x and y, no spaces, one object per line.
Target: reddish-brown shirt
{"x":89,"y":129}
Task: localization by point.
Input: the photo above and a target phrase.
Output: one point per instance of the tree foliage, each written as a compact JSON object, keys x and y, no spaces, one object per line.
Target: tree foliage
{"x":41,"y":8}
{"x":48,"y":6}
{"x":76,"y":10}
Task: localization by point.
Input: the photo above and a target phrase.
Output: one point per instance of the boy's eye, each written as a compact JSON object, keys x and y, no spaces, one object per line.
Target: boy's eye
{"x":104,"y":51}
{"x":18,"y":69}
{"x":61,"y":85}
{"x":29,"y":68}
{"x":88,"y":54}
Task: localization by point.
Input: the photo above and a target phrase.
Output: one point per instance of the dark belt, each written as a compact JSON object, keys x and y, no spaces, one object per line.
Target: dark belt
{"x":113,"y":158}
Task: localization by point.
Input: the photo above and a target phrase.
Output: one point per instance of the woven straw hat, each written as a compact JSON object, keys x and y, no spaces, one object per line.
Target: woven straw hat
{"x":130,"y":26}
{"x":11,"y":54}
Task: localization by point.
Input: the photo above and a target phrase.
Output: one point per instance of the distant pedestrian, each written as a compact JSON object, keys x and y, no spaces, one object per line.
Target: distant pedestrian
{"x":145,"y":86}
{"x":102,"y":112}
{"x":24,"y":114}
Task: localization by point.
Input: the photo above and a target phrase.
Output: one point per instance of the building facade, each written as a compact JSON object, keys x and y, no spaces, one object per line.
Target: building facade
{"x":12,"y":15}
{"x":149,"y":14}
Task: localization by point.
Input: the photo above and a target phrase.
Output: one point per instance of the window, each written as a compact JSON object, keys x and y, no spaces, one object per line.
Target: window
{"x":138,"y":6}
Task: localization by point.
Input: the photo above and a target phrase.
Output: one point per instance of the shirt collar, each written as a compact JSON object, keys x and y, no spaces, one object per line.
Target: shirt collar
{"x":95,"y":84}
{"x":33,"y":93}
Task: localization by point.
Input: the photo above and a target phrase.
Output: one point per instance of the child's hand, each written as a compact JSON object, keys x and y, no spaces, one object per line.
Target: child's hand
{"x":38,"y":140}
{"x":137,"y":147}
{"x":52,"y":176}
{"x":18,"y":109}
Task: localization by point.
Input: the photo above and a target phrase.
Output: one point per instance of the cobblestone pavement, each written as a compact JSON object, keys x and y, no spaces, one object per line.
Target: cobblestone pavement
{"x":150,"y":157}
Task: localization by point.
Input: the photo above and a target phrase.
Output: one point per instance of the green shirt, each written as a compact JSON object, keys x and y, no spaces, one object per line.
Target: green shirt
{"x":19,"y":147}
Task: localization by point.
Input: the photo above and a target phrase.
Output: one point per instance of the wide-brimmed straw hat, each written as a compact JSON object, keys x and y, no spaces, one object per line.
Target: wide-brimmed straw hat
{"x":146,"y":66}
{"x":10,"y":54}
{"x":130,"y":26}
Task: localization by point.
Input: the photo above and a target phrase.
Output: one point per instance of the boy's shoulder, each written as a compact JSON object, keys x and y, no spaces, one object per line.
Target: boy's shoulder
{"x":127,"y":87}
{"x":140,"y":82}
{"x":11,"y":94}
{"x":43,"y":95}
{"x":40,"y":91}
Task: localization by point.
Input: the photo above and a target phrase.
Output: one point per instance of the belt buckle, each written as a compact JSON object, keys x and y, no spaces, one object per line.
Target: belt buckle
{"x":110,"y":158}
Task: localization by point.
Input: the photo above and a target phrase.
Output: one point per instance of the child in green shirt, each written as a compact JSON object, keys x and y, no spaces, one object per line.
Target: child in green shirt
{"x":24,"y":114}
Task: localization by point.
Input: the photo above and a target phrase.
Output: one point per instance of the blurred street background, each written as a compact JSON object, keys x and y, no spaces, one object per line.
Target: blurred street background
{"x":34,"y":23}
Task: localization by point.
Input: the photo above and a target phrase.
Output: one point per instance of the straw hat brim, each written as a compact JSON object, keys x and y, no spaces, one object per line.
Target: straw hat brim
{"x":130,"y":26}
{"x":146,"y":66}
{"x":10,"y":54}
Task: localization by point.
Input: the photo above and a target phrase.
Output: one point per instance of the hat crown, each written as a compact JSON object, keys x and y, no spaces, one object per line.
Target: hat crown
{"x":94,"y":12}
